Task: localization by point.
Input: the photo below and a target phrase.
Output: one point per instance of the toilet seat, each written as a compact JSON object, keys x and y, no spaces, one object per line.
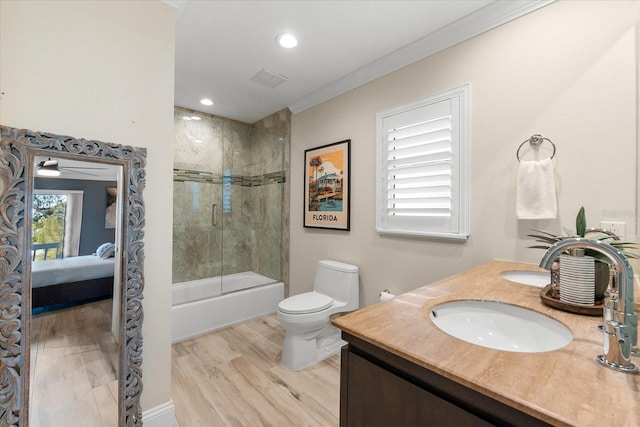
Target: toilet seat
{"x":308,"y":302}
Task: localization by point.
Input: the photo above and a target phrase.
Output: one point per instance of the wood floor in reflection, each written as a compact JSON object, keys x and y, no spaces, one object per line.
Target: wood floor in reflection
{"x":74,"y":368}
{"x":233,"y":377}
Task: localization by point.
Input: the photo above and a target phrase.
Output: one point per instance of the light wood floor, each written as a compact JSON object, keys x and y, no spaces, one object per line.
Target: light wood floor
{"x":233,"y":377}
{"x":74,"y":368}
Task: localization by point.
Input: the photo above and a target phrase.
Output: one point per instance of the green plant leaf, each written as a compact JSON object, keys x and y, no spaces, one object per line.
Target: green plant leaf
{"x":581,"y":222}
{"x":548,"y":239}
{"x":542,"y":239}
{"x":538,"y":247}
{"x":548,"y":234}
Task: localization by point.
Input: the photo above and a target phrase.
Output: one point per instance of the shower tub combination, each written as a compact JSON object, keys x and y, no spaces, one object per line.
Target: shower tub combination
{"x":229,"y":181}
{"x":212,"y":303}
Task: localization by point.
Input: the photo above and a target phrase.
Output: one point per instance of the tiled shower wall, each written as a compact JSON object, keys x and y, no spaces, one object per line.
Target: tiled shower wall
{"x":249,"y":234}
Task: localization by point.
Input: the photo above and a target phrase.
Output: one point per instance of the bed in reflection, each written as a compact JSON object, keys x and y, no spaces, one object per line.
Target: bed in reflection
{"x":71,"y":280}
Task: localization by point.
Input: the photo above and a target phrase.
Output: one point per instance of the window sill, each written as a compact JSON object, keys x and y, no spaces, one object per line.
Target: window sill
{"x":425,"y":234}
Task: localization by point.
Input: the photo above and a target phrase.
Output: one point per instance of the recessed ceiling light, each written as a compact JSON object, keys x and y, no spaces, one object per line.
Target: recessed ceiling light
{"x":186,"y":118}
{"x":206,"y":101}
{"x":287,"y":40}
{"x":195,"y":118}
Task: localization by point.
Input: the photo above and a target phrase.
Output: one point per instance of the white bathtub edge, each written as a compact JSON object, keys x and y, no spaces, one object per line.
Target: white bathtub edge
{"x":196,"y":318}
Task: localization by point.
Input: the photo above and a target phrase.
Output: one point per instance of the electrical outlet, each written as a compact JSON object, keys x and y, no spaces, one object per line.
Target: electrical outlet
{"x":618,"y":228}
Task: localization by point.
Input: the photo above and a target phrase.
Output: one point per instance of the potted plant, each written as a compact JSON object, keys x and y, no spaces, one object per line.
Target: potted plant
{"x":602,"y":262}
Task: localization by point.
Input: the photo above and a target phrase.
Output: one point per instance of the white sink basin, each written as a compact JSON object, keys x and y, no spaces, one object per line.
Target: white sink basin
{"x":531,"y":278}
{"x":500,"y":326}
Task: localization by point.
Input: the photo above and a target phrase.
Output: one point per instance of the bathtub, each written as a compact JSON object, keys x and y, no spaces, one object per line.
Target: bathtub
{"x":204,"y":305}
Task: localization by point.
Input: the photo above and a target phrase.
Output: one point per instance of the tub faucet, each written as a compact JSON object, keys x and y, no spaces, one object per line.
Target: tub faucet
{"x":620,"y":322}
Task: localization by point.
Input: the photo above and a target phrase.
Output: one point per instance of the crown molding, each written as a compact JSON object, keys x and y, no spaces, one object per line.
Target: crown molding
{"x":485,"y":19}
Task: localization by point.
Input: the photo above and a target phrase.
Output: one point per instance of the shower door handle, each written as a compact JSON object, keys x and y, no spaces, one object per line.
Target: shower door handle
{"x":214,"y":215}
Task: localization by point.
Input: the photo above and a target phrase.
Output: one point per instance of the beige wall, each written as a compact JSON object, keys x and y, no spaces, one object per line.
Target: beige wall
{"x":567,"y":71}
{"x":104,"y":70}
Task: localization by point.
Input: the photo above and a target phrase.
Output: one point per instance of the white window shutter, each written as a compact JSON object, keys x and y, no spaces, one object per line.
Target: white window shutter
{"x":423,"y":168}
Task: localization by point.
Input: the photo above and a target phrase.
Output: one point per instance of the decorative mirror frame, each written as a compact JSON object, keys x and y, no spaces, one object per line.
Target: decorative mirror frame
{"x":18,"y":147}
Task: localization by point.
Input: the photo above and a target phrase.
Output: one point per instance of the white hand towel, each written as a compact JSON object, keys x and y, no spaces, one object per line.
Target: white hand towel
{"x":536,"y":190}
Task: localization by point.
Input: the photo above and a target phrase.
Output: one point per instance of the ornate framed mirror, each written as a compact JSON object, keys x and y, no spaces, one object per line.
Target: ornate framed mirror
{"x":19,"y":148}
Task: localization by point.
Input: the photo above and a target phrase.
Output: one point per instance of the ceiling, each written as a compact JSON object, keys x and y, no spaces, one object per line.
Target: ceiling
{"x":221,"y":45}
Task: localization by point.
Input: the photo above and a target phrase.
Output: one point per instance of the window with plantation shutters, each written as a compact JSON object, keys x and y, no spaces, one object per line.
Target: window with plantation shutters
{"x":422,"y":163}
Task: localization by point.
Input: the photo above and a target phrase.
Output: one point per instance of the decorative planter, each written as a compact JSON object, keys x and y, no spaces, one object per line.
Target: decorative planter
{"x":583,"y":279}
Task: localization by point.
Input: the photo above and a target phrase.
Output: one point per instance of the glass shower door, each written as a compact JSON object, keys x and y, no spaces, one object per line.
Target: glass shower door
{"x":197,"y":190}
{"x":251,"y":209}
{"x":228,"y":201}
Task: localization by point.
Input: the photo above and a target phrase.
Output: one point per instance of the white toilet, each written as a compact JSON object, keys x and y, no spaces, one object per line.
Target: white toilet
{"x":310,"y":337}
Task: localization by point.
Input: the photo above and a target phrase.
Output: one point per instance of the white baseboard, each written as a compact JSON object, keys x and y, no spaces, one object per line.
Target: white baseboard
{"x":161,"y":416}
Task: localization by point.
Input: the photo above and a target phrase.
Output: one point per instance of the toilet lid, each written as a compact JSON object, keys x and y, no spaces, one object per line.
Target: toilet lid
{"x":309,"y":302}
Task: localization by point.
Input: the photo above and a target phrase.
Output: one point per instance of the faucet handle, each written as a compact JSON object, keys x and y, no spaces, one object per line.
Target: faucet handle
{"x":612,"y":327}
{"x":617,"y":331}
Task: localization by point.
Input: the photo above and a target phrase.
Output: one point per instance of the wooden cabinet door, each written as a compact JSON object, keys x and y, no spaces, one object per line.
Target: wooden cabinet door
{"x":371,"y":396}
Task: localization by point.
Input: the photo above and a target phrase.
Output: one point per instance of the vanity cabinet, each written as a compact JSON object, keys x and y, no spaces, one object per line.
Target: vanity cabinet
{"x":378,"y":388}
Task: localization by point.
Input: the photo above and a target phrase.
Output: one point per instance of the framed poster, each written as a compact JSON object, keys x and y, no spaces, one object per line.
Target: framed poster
{"x":110,"y":214}
{"x":326,"y":187}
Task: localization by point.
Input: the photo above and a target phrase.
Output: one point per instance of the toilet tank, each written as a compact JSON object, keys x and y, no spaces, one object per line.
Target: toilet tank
{"x":339,"y":281}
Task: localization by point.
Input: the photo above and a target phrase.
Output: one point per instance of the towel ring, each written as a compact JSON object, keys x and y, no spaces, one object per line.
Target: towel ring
{"x":535,"y":141}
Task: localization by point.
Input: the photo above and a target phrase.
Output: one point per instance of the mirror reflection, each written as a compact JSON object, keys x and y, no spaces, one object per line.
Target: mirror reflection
{"x":19,"y":161}
{"x":74,"y":328}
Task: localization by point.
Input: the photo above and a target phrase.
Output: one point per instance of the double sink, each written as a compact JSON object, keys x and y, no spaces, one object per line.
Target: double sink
{"x":503,"y":326}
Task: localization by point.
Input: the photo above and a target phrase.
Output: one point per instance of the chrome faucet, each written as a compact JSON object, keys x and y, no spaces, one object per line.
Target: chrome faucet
{"x":620,"y":322}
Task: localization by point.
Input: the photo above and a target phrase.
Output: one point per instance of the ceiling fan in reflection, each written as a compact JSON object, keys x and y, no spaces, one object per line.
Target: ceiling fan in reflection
{"x":52,"y":168}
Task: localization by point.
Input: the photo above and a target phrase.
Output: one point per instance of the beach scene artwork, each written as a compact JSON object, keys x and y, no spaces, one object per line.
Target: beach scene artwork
{"x":326,"y":192}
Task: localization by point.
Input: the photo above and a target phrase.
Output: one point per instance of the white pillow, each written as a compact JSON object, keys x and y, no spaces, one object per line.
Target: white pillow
{"x":106,"y":250}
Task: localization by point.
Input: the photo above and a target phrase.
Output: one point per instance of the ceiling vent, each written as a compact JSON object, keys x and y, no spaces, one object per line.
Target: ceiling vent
{"x":268,"y":78}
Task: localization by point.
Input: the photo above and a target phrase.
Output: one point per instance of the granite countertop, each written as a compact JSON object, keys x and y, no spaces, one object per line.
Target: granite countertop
{"x":564,"y":387}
